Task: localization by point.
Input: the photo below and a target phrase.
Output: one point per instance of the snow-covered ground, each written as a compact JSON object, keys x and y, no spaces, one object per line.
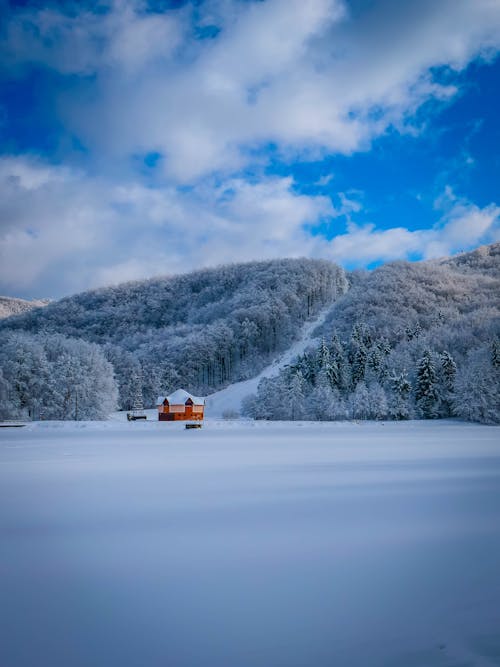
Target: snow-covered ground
{"x":249,"y":544}
{"x":230,"y":398}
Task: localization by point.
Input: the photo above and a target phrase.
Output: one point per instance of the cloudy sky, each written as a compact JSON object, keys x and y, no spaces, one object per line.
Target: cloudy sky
{"x":148,"y":137}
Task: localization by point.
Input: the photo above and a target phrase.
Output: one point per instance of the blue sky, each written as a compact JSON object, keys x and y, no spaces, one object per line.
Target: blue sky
{"x":142,"y":138}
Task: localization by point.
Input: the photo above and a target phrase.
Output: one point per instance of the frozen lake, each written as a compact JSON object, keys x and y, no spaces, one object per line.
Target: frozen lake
{"x":250,"y":545}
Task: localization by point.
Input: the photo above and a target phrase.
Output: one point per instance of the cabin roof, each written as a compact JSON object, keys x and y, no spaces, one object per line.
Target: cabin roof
{"x":179,"y":397}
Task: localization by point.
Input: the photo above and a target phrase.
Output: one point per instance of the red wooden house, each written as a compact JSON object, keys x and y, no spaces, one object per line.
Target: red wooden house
{"x":180,"y":406}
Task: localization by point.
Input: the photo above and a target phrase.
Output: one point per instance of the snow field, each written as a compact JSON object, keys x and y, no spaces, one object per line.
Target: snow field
{"x":250,"y":544}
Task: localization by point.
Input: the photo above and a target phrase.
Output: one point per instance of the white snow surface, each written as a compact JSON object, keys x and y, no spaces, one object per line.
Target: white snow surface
{"x":230,"y":398}
{"x":250,"y":544}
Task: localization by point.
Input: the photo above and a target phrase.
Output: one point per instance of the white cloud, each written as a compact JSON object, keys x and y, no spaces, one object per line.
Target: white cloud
{"x":57,"y":222}
{"x":86,"y":42}
{"x":307,"y":76}
{"x":311,"y":78}
{"x":461,"y":228}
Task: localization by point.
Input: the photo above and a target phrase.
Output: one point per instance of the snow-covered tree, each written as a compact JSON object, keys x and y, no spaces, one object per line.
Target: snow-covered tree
{"x":321,"y":403}
{"x":295,"y":397}
{"x":446,"y":385}
{"x":340,"y":372}
{"x":360,"y":402}
{"x":54,"y":377}
{"x":426,"y":387}
{"x":379,"y":408}
{"x":399,"y":397}
{"x":477,"y":388}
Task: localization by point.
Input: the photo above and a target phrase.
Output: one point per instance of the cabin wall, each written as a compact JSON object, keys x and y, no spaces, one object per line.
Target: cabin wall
{"x":180,"y":412}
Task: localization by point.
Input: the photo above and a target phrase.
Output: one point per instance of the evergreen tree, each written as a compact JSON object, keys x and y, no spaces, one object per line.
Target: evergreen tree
{"x":447,"y":383}
{"x":340,"y":378}
{"x":323,"y":355}
{"x":137,"y":401}
{"x":325,"y":373}
{"x":358,"y":365}
{"x":426,"y":388}
{"x":373,"y":367}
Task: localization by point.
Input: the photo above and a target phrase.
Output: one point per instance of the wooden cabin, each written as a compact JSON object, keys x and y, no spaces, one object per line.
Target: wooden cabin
{"x":180,"y":406}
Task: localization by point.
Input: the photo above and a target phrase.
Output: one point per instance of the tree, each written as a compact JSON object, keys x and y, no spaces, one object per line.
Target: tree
{"x":54,"y":377}
{"x":294,"y":396}
{"x":322,"y":403}
{"x":448,"y":372}
{"x":359,"y":365}
{"x":378,"y":402}
{"x":360,"y":402}
{"x":137,"y":401}
{"x":477,"y":397}
{"x":399,"y":401}
{"x":340,"y":378}
{"x":426,"y":388}
{"x":5,"y":404}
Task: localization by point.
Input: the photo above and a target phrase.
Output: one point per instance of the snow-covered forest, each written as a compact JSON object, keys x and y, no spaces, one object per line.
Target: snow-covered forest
{"x":409,"y":340}
{"x":202,"y":330}
{"x":50,"y":376}
{"x":11,"y":306}
{"x":404,"y":340}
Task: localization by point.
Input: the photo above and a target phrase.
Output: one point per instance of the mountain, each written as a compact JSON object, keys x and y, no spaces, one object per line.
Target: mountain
{"x":432,"y":297}
{"x":11,"y":306}
{"x":201,"y":330}
{"x":485,"y":260}
{"x":416,"y":339}
{"x":408,"y":339}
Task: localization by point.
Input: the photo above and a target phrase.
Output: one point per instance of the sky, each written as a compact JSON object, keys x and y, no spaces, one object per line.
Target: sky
{"x":140,"y":138}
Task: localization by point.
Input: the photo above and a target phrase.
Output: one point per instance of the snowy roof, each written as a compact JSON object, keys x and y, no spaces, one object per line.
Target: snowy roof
{"x":179,"y":397}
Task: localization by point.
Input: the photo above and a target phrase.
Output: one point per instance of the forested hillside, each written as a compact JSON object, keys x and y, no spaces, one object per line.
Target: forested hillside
{"x":485,"y":260}
{"x":201,"y":330}
{"x":407,"y":340}
{"x":11,"y":306}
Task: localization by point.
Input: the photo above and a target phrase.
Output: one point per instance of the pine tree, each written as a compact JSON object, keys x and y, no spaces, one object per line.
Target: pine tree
{"x":358,"y":365}
{"x":426,"y":388}
{"x":137,"y":400}
{"x":338,"y":363}
{"x":448,"y":371}
{"x":373,"y":364}
{"x":323,"y":355}
{"x":325,"y":374}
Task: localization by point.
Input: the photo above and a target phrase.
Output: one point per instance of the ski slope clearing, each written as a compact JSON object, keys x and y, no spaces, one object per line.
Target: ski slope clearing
{"x":229,"y":399}
{"x":250,"y":544}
